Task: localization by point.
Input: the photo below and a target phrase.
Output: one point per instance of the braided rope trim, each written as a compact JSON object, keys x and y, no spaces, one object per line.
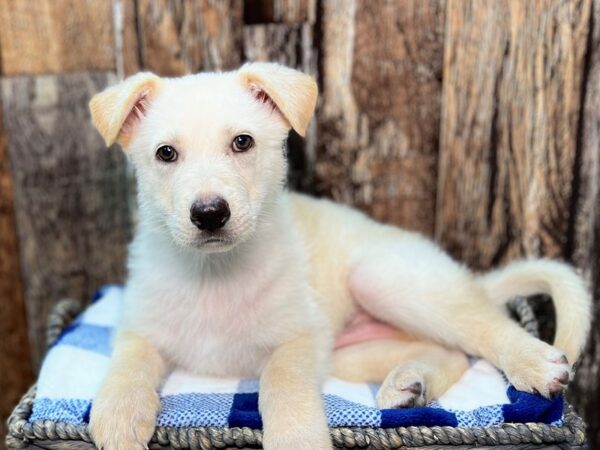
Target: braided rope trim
{"x":60,"y":317}
{"x":21,"y":432}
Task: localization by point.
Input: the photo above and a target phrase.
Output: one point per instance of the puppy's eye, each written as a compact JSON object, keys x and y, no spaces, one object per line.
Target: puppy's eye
{"x":166,"y":153}
{"x":242,"y":143}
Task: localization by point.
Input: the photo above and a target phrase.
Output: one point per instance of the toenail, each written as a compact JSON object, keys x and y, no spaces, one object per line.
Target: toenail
{"x":563,"y":379}
{"x":555,"y":388}
{"x":415,"y":388}
{"x":562,"y":360}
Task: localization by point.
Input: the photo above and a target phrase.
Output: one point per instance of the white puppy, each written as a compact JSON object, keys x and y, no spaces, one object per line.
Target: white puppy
{"x":231,"y":275}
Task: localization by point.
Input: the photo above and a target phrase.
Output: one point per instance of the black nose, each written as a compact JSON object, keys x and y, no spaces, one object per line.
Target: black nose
{"x":210,"y":214}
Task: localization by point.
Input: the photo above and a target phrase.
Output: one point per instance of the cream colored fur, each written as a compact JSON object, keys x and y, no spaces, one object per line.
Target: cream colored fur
{"x":289,"y":271}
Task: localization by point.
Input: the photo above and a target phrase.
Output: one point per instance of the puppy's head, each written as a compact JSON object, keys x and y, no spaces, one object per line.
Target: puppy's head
{"x":207,"y":148}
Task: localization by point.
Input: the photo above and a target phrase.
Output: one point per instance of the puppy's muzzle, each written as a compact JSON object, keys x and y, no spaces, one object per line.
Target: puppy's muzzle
{"x":210,"y":214}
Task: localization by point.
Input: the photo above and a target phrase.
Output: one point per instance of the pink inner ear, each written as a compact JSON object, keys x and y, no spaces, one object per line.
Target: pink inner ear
{"x":263,"y":97}
{"x":137,"y":113}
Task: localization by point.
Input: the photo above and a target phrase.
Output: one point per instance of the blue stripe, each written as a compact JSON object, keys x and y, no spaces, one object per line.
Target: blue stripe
{"x":345,"y":413}
{"x":180,"y":410}
{"x":195,"y":410}
{"x":241,"y":410}
{"x":526,"y":407}
{"x":74,"y":411}
{"x":244,"y":411}
{"x":340,"y":412}
{"x":94,"y":338}
{"x":405,"y":417}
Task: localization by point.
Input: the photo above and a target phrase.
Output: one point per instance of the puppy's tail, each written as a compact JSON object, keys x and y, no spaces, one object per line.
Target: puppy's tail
{"x":572,"y":300}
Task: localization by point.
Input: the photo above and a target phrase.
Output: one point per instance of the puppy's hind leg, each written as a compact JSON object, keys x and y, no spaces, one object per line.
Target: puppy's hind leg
{"x":413,"y":372}
{"x":407,"y":281}
{"x":425,"y":376}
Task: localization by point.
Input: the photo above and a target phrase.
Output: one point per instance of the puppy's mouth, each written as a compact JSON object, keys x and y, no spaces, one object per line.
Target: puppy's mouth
{"x":214,"y":240}
{"x":214,"y":243}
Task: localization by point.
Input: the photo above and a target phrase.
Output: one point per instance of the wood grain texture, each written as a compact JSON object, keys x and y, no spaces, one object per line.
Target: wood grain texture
{"x":585,"y":245}
{"x":378,"y":124}
{"x":48,"y":36}
{"x":71,"y":193}
{"x":15,"y":359}
{"x":127,"y":46}
{"x":293,"y":45}
{"x":279,"y":11}
{"x":512,"y":94}
{"x":179,"y":37}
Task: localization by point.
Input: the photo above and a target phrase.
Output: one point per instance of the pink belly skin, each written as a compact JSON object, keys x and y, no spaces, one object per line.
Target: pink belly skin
{"x":363,"y":327}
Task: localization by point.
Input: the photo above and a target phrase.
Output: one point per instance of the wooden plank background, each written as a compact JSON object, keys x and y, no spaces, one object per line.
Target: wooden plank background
{"x":507,"y":151}
{"x":476,"y":123}
{"x":15,"y":353}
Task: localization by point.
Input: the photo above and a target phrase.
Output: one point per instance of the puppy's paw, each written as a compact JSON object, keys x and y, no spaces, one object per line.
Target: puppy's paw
{"x":402,"y":388}
{"x":538,"y":368}
{"x":123,"y":417}
{"x":315,"y":437}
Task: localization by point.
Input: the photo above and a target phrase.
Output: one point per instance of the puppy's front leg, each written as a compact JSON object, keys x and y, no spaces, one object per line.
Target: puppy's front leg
{"x":290,"y":399}
{"x":124,"y":411}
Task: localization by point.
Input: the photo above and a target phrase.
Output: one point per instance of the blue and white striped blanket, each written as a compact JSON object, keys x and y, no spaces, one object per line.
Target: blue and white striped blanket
{"x":78,"y":361}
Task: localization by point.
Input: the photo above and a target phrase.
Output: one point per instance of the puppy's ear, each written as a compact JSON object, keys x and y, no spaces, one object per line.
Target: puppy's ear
{"x":292,"y":92}
{"x":118,"y":110}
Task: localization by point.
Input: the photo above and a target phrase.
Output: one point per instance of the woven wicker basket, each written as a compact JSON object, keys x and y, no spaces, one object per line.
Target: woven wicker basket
{"x":52,"y":435}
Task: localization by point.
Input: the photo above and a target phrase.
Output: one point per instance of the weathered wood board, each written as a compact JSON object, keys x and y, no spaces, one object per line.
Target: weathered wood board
{"x":45,"y":36}
{"x":292,"y":45}
{"x":510,"y":115}
{"x":185,"y":37}
{"x":584,"y":243}
{"x":378,"y":124}
{"x":70,"y":193}
{"x":127,"y":47}
{"x":15,"y":362}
